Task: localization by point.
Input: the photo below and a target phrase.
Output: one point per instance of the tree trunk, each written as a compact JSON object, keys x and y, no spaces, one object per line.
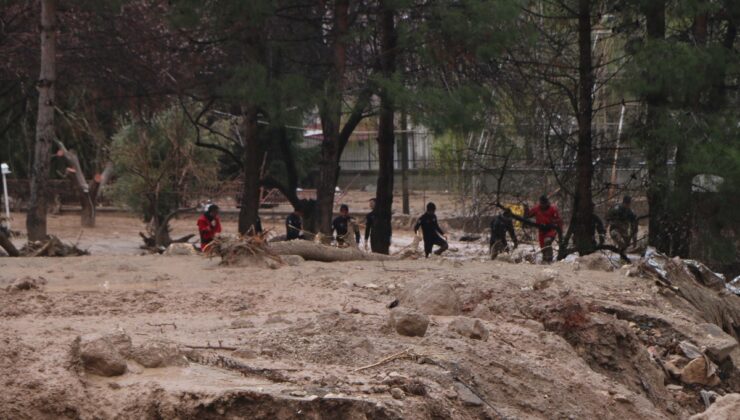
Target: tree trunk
{"x":250,"y":199}
{"x":380,"y":240}
{"x":7,"y":245}
{"x":656,"y":149}
{"x":87,"y":203}
{"x":318,"y":252}
{"x":583,"y":207}
{"x":36,"y":219}
{"x":405,"y":163}
{"x":331,"y":115}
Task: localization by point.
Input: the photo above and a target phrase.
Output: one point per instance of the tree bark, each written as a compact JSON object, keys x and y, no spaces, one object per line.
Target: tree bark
{"x":331,"y":115}
{"x":37,"y":205}
{"x":250,"y":199}
{"x":583,"y":207}
{"x":405,"y":163}
{"x":8,"y":246}
{"x":380,"y":240}
{"x":319,"y":252}
{"x":656,"y":150}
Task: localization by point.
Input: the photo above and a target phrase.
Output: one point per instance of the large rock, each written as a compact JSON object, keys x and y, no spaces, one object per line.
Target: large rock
{"x":409,"y":322}
{"x":432,"y":298}
{"x":597,"y":261}
{"x":725,"y":408}
{"x":103,"y":354}
{"x":544,"y":279}
{"x":155,"y":354}
{"x":469,"y":327}
{"x":719,"y":345}
{"x":466,"y":396}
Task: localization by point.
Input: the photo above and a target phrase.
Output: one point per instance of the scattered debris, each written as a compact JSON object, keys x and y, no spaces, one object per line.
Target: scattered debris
{"x":245,"y":250}
{"x":51,"y":247}
{"x":26,"y":283}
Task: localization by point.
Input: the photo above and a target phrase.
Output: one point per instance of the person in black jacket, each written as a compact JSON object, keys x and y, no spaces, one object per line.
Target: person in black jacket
{"x":433,"y":234}
{"x":369,"y":220}
{"x":341,"y":225}
{"x":500,"y":225}
{"x":294,"y":225}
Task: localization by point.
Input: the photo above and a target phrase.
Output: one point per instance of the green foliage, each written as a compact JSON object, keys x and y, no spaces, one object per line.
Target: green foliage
{"x":157,"y":162}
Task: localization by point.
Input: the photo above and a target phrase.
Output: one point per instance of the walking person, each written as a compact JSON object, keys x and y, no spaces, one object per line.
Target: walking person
{"x":341,"y":226}
{"x":433,"y":234}
{"x":546,"y":215}
{"x":500,"y":225}
{"x":369,"y":221}
{"x":209,"y":225}
{"x":622,"y":224}
{"x":294,"y":225}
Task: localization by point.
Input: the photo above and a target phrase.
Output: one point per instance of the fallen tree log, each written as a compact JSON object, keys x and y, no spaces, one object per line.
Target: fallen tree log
{"x":714,"y":306}
{"x":8,"y":246}
{"x":318,"y":252}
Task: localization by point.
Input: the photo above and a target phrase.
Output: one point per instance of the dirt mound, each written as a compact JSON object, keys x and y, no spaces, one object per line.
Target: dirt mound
{"x":609,"y":346}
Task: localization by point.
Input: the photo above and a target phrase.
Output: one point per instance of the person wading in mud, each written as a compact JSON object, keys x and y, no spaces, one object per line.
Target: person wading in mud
{"x":500,"y":225}
{"x":294,"y":225}
{"x":622,"y":224}
{"x":209,"y":225}
{"x":341,"y":225}
{"x":433,"y":234}
{"x":547,"y":217}
{"x":369,"y":220}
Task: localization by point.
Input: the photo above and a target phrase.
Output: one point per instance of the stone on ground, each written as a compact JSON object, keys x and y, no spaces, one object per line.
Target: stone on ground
{"x":409,"y":322}
{"x":544,"y":279}
{"x":719,"y":345}
{"x":26,"y":283}
{"x":725,"y":408}
{"x":155,"y":354}
{"x":432,"y":298}
{"x":470,"y":328}
{"x":695,"y":372}
{"x":103,"y":354}
{"x":597,"y":261}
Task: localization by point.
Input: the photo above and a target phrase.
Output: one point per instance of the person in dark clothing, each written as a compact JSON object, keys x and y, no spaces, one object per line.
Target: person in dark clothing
{"x":433,"y":234}
{"x":500,"y":225}
{"x":341,"y":225}
{"x":622,"y":224}
{"x":209,"y":225}
{"x":369,"y":220}
{"x":294,"y":225}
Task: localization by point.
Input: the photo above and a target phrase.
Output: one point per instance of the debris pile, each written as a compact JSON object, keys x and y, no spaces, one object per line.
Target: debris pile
{"x":248,"y":249}
{"x":52,"y":247}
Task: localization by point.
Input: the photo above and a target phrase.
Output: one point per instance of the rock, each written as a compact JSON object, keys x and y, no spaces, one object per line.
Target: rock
{"x":466,"y":396}
{"x":298,"y":393}
{"x":156,"y":354}
{"x":695,"y":372}
{"x":103,"y":354}
{"x":409,"y":322}
{"x":724,"y":408}
{"x":371,"y":286}
{"x":292,"y":260}
{"x":622,"y":399}
{"x":432,"y":298}
{"x":597,"y":261}
{"x":470,"y":328}
{"x":543,"y":279}
{"x":719,"y":345}
{"x":482,"y":312}
{"x":242,"y":323}
{"x":672,"y":387}
{"x":397,"y":393}
{"x":26,"y":283}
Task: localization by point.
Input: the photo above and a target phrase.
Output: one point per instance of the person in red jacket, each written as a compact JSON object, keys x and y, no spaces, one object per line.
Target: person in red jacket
{"x":209,"y":225}
{"x":547,"y":216}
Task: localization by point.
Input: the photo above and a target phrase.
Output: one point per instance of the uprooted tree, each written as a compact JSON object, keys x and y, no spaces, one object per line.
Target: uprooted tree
{"x":158,"y":162}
